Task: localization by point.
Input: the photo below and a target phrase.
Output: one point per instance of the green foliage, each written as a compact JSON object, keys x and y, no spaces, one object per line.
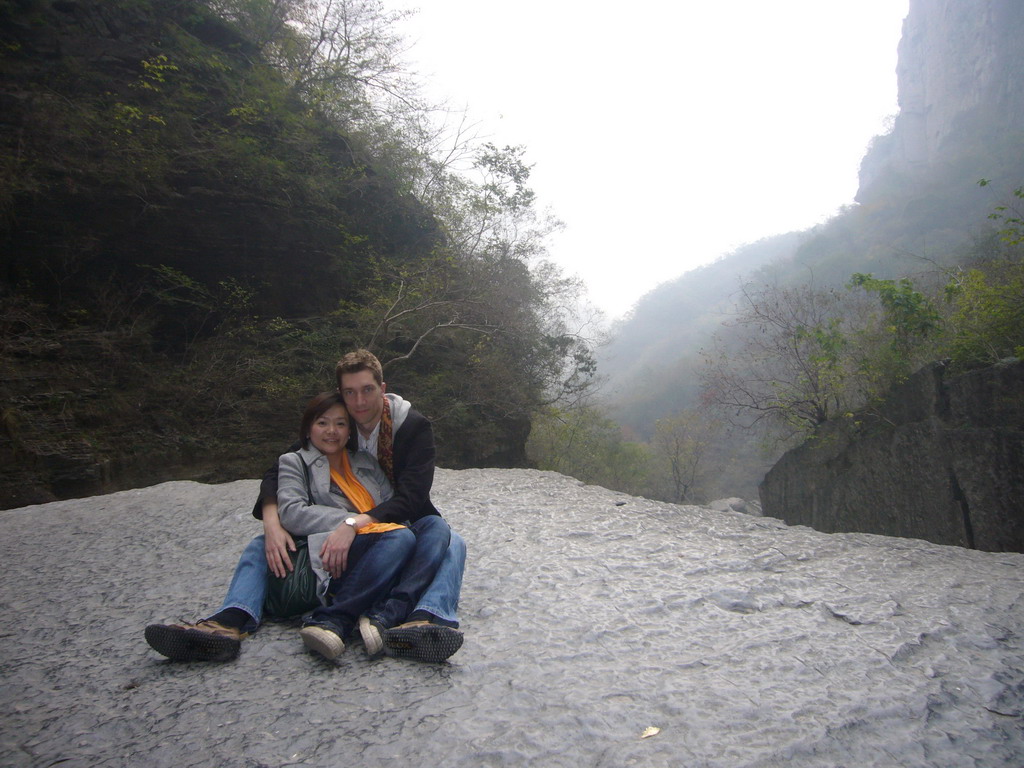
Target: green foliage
{"x":471,"y":340}
{"x":988,"y":320}
{"x":155,"y":73}
{"x":587,"y":445}
{"x":791,"y":366}
{"x":507,"y":175}
{"x":804,"y":357}
{"x":1010,"y":217}
{"x":907,"y":334}
{"x":251,"y":189}
{"x":910,"y":315}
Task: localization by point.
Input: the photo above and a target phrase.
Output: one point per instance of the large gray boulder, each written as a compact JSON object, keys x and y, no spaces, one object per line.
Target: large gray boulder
{"x":942,"y":459}
{"x":591,"y":618}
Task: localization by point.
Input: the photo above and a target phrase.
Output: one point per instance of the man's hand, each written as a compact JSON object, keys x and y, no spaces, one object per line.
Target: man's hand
{"x":334,"y":552}
{"x":277,"y":543}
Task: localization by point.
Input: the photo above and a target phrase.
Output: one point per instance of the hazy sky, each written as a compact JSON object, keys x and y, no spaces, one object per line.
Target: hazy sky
{"x":666,"y":134}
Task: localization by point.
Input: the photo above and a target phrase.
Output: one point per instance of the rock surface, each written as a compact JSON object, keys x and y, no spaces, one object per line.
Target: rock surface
{"x":941,"y":459}
{"x":746,"y":642}
{"x":734,"y":504}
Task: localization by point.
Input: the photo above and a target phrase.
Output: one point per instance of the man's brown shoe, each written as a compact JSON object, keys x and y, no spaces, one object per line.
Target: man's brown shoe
{"x":422,"y":641}
{"x":203,"y":641}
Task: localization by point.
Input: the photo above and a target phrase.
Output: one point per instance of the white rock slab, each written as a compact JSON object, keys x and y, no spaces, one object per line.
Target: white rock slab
{"x":589,"y":623}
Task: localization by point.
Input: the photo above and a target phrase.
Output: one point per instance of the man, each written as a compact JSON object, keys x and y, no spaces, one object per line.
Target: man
{"x":418,"y":619}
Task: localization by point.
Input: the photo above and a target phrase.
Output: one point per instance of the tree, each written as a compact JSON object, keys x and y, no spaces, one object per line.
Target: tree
{"x":1010,"y":216}
{"x":891,"y":345}
{"x":683,"y":440}
{"x":786,"y":362}
{"x":343,"y":56}
{"x":987,"y":299}
{"x":583,"y":442}
{"x":987,"y":323}
{"x":910,"y":316}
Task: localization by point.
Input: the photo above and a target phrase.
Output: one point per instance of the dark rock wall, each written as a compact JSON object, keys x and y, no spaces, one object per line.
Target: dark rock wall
{"x":941,"y":460}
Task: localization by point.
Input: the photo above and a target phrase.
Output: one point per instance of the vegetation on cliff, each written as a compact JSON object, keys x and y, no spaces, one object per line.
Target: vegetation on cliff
{"x":205,"y":203}
{"x":797,"y":358}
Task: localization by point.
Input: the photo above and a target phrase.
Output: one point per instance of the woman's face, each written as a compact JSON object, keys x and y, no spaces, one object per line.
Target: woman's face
{"x":329,"y":431}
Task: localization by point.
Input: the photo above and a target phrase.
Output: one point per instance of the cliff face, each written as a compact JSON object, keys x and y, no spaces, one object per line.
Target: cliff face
{"x":941,"y":460}
{"x":960,"y":72}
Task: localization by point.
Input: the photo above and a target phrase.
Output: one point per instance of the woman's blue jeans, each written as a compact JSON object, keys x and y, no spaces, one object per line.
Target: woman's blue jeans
{"x":248,"y":587}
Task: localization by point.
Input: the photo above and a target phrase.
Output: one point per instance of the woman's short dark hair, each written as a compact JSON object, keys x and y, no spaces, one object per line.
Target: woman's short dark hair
{"x":318,"y":406}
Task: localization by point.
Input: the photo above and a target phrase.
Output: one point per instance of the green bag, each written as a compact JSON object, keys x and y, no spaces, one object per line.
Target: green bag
{"x":295,"y":594}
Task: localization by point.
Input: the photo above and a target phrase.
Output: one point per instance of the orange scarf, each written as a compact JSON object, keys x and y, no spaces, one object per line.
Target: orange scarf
{"x":358,"y":495}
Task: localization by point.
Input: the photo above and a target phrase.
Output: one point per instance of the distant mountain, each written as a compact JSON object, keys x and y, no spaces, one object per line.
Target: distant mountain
{"x":670,"y":323}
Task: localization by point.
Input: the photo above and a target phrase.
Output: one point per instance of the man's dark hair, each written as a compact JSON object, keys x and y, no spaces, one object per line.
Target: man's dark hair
{"x":360,"y":360}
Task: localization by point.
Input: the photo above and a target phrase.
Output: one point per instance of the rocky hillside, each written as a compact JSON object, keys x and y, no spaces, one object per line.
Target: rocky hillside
{"x":961,"y":81}
{"x":165,"y":198}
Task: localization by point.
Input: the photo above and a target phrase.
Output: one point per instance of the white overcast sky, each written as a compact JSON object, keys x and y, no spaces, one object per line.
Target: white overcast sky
{"x":666,"y":134}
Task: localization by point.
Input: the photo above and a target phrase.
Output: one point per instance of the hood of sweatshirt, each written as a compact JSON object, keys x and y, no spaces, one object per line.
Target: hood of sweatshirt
{"x":399,"y":410}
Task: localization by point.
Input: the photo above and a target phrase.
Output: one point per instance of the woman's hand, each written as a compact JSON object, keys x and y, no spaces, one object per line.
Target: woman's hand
{"x":334,"y":552}
{"x":277,"y":543}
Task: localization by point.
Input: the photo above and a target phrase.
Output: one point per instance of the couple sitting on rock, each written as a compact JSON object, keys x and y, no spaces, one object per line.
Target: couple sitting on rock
{"x":386,"y":561}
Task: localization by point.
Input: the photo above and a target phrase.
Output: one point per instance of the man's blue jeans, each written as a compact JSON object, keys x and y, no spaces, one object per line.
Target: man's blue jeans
{"x":433,"y":537}
{"x":441,"y":600}
{"x":375,"y":561}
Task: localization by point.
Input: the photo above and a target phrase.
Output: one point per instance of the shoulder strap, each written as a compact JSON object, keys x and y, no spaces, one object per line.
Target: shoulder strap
{"x":309,"y":483}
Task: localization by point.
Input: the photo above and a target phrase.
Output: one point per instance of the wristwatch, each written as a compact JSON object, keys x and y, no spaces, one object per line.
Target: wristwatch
{"x":352,"y":522}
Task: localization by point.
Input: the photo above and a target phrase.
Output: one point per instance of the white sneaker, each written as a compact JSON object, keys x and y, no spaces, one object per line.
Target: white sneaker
{"x":373,"y":637}
{"x":322,"y":640}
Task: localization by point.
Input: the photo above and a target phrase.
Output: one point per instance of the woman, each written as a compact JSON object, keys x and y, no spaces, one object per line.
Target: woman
{"x":324,"y":493}
{"x":354,"y":570}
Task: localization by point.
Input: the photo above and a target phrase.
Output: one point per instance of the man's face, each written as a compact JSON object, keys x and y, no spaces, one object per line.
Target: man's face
{"x":364,"y":398}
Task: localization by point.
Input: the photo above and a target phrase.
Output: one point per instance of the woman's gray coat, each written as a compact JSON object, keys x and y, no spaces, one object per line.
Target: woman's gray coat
{"x":328,"y":510}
